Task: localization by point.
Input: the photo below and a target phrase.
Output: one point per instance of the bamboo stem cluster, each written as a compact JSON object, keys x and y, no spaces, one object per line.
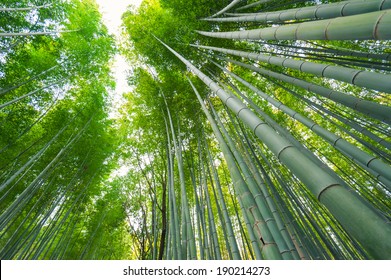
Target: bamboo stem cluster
{"x":272,"y":234}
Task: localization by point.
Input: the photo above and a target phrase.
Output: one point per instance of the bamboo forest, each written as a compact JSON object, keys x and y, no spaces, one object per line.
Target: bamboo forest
{"x":249,"y":130}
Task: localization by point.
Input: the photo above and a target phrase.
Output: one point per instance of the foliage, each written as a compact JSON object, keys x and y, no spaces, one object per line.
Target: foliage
{"x":57,"y":144}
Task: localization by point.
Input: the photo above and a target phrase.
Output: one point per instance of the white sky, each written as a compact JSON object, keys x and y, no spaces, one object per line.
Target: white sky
{"x":112,"y":11}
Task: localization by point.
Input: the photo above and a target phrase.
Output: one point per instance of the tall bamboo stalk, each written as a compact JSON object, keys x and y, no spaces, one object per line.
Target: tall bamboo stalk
{"x":347,"y":207}
{"x":322,"y":11}
{"x":373,"y":26}
{"x":265,"y":240}
{"x":361,"y":78}
{"x":255,"y":189}
{"x":227,"y":8}
{"x":382,"y":168}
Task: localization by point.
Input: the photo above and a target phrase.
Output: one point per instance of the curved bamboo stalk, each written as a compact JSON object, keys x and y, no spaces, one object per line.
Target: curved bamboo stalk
{"x":227,"y":8}
{"x":373,"y":26}
{"x":347,"y":207}
{"x":255,"y":189}
{"x":336,"y":141}
{"x":336,"y":51}
{"x":372,"y":109}
{"x":4,"y":91}
{"x":25,"y":34}
{"x":28,"y":94}
{"x":227,"y":221}
{"x":253,"y":4}
{"x":188,"y":229}
{"x":265,"y":240}
{"x":174,"y":222}
{"x":377,"y":81}
{"x":266,"y":197}
{"x":323,"y":11}
{"x":25,"y":8}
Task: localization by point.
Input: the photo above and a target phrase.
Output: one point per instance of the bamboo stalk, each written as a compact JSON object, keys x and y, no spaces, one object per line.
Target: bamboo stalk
{"x":344,"y":205}
{"x":322,"y":11}
{"x":373,"y":26}
{"x":377,"y":81}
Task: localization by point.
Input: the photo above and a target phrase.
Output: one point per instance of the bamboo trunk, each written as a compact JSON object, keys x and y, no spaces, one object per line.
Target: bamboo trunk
{"x":351,"y":212}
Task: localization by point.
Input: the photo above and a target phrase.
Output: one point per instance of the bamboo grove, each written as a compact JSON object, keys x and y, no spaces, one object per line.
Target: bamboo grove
{"x":55,"y":135}
{"x":252,"y":130}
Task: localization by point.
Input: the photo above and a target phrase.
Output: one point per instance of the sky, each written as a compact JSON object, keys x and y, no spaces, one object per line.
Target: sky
{"x":112,"y":11}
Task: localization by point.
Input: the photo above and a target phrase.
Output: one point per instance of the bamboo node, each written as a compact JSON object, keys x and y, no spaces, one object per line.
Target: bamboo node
{"x":298,"y":10}
{"x":275,"y":32}
{"x":244,"y":108}
{"x":297,"y":29}
{"x":336,"y":140}
{"x":326,"y":188}
{"x":381,"y":4}
{"x":369,"y":161}
{"x":343,"y":8}
{"x":375,"y":35}
{"x":283,"y":149}
{"x":355,"y":75}
{"x":324,"y":70}
{"x":326,"y":29}
{"x":255,"y":128}
{"x":268,"y":220}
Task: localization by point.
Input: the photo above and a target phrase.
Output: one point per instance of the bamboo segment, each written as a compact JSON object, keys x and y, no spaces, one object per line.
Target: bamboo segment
{"x":227,"y":220}
{"x":345,"y":147}
{"x":6,"y":90}
{"x":28,"y":94}
{"x":377,"y":229}
{"x":265,"y":240}
{"x":187,"y":227}
{"x":227,"y":8}
{"x":377,"y":81}
{"x":369,"y":26}
{"x":373,"y":109}
{"x":259,"y":197}
{"x":323,"y":11}
{"x":253,"y":4}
